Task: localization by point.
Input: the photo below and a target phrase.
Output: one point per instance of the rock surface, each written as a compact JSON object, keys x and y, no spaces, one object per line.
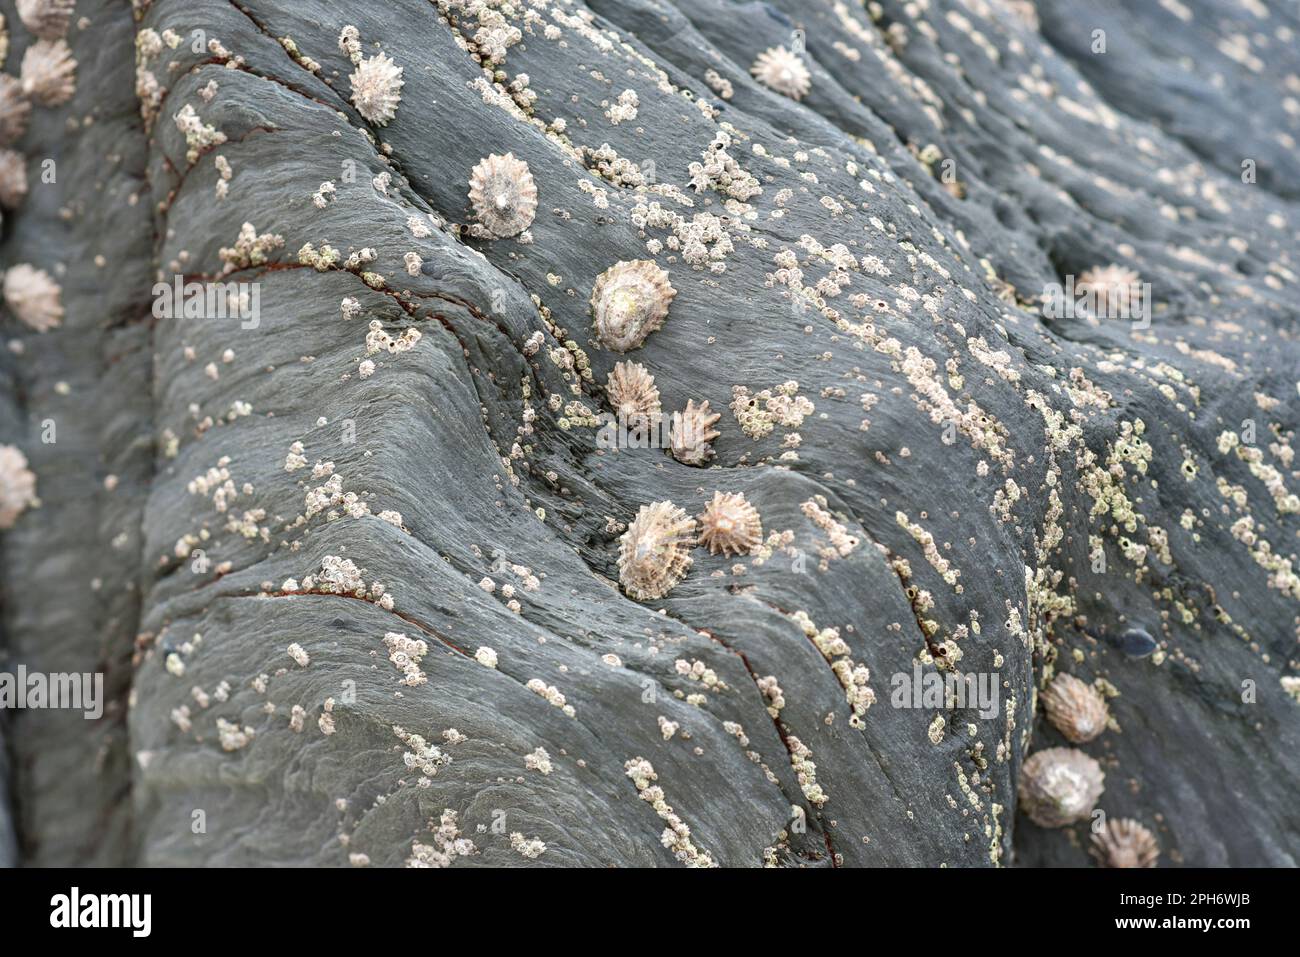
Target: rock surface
{"x":249,"y":525}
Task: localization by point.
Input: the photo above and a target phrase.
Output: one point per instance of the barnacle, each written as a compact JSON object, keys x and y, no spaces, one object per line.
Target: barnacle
{"x":503,"y":194}
{"x":692,"y":433}
{"x":632,"y":393}
{"x":1124,"y":842}
{"x":1115,"y":288}
{"x":779,"y":69}
{"x":33,"y":297}
{"x":630,"y":300}
{"x":1076,"y":709}
{"x":655,"y":551}
{"x":17,"y":485}
{"x":13,"y":178}
{"x":4,"y":40}
{"x":377,"y":88}
{"x":15,"y":109}
{"x":48,"y":19}
{"x":1059,"y":786}
{"x":49,"y":73}
{"x":730,"y":525}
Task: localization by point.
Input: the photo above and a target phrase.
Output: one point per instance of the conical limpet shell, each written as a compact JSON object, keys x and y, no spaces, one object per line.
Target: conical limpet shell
{"x":630,"y":300}
{"x":49,"y":73}
{"x":655,"y":551}
{"x":1123,"y":842}
{"x":377,"y":88}
{"x":731,"y":525}
{"x":1076,"y":709}
{"x":33,"y":297}
{"x":1059,"y":786}
{"x":692,"y":434}
{"x":48,"y":19}
{"x":503,"y":194}
{"x":15,"y":110}
{"x":13,"y":178}
{"x":17,"y":485}
{"x":1117,"y":290}
{"x":779,"y":69}
{"x":632,"y":392}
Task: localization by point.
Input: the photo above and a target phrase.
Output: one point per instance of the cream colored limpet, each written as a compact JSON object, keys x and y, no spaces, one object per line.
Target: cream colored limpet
{"x":503,"y":194}
{"x":1117,"y":290}
{"x":13,"y":178}
{"x":629,"y":301}
{"x":49,"y":73}
{"x":1076,"y":709}
{"x":17,"y":485}
{"x":377,"y":88}
{"x":731,"y":525}
{"x":15,"y":110}
{"x":48,"y":19}
{"x":692,"y":434}
{"x":632,"y":392}
{"x":655,"y":551}
{"x":781,"y":70}
{"x":33,"y":297}
{"x":1059,"y":786}
{"x":1123,"y":842}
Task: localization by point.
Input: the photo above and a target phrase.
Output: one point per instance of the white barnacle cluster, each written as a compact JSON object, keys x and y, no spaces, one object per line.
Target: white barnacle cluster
{"x":486,"y":656}
{"x":538,"y":760}
{"x":406,"y":654}
{"x":1059,"y":786}
{"x":422,"y":756}
{"x":531,"y":848}
{"x":376,"y":88}
{"x":340,"y":576}
{"x":551,"y":693}
{"x":49,"y":73}
{"x":721,"y":172}
{"x":33,"y":297}
{"x":378,"y":339}
{"x":17,"y":485}
{"x":853,"y":677}
{"x":781,"y":70}
{"x":232,"y":736}
{"x":623,"y":109}
{"x":629,"y":301}
{"x":655,"y":551}
{"x":299,"y":655}
{"x":731,"y":525}
{"x":842,"y":543}
{"x":504,"y":196}
{"x":250,"y":249}
{"x":1076,"y":709}
{"x":446,"y":847}
{"x":677,"y":835}
{"x":199,"y":136}
{"x":759,"y":413}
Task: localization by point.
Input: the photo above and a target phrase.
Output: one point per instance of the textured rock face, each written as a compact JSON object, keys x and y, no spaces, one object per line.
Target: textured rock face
{"x":347,"y":551}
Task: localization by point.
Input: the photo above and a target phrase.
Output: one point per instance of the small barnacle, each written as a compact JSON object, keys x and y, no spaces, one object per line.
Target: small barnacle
{"x":630,"y":300}
{"x":779,"y":69}
{"x":503,"y":194}
{"x":13,"y":178}
{"x":654,"y":552}
{"x":1114,"y":289}
{"x":632,"y":393}
{"x":1076,"y":709}
{"x":48,"y":19}
{"x":49,"y":73}
{"x":377,"y":88}
{"x":1059,"y":786}
{"x":350,"y":43}
{"x":731,"y":525}
{"x":15,"y":109}
{"x":1123,"y":842}
{"x":33,"y":297}
{"x":17,"y":485}
{"x":690,"y":439}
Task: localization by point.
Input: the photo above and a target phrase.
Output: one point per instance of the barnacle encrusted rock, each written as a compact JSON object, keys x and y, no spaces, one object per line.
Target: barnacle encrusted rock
{"x":1116,"y":289}
{"x":13,"y":178}
{"x":780,"y":69}
{"x":377,"y":88}
{"x":33,"y":297}
{"x":632,"y":392}
{"x":1123,"y":842}
{"x":629,"y":301}
{"x":1059,"y":786}
{"x":655,"y":551}
{"x":730,"y":524}
{"x":15,"y":110}
{"x":17,"y":485}
{"x":503,"y":194}
{"x":48,"y":19}
{"x":1075,"y":708}
{"x":691,"y":436}
{"x":49,"y":73}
